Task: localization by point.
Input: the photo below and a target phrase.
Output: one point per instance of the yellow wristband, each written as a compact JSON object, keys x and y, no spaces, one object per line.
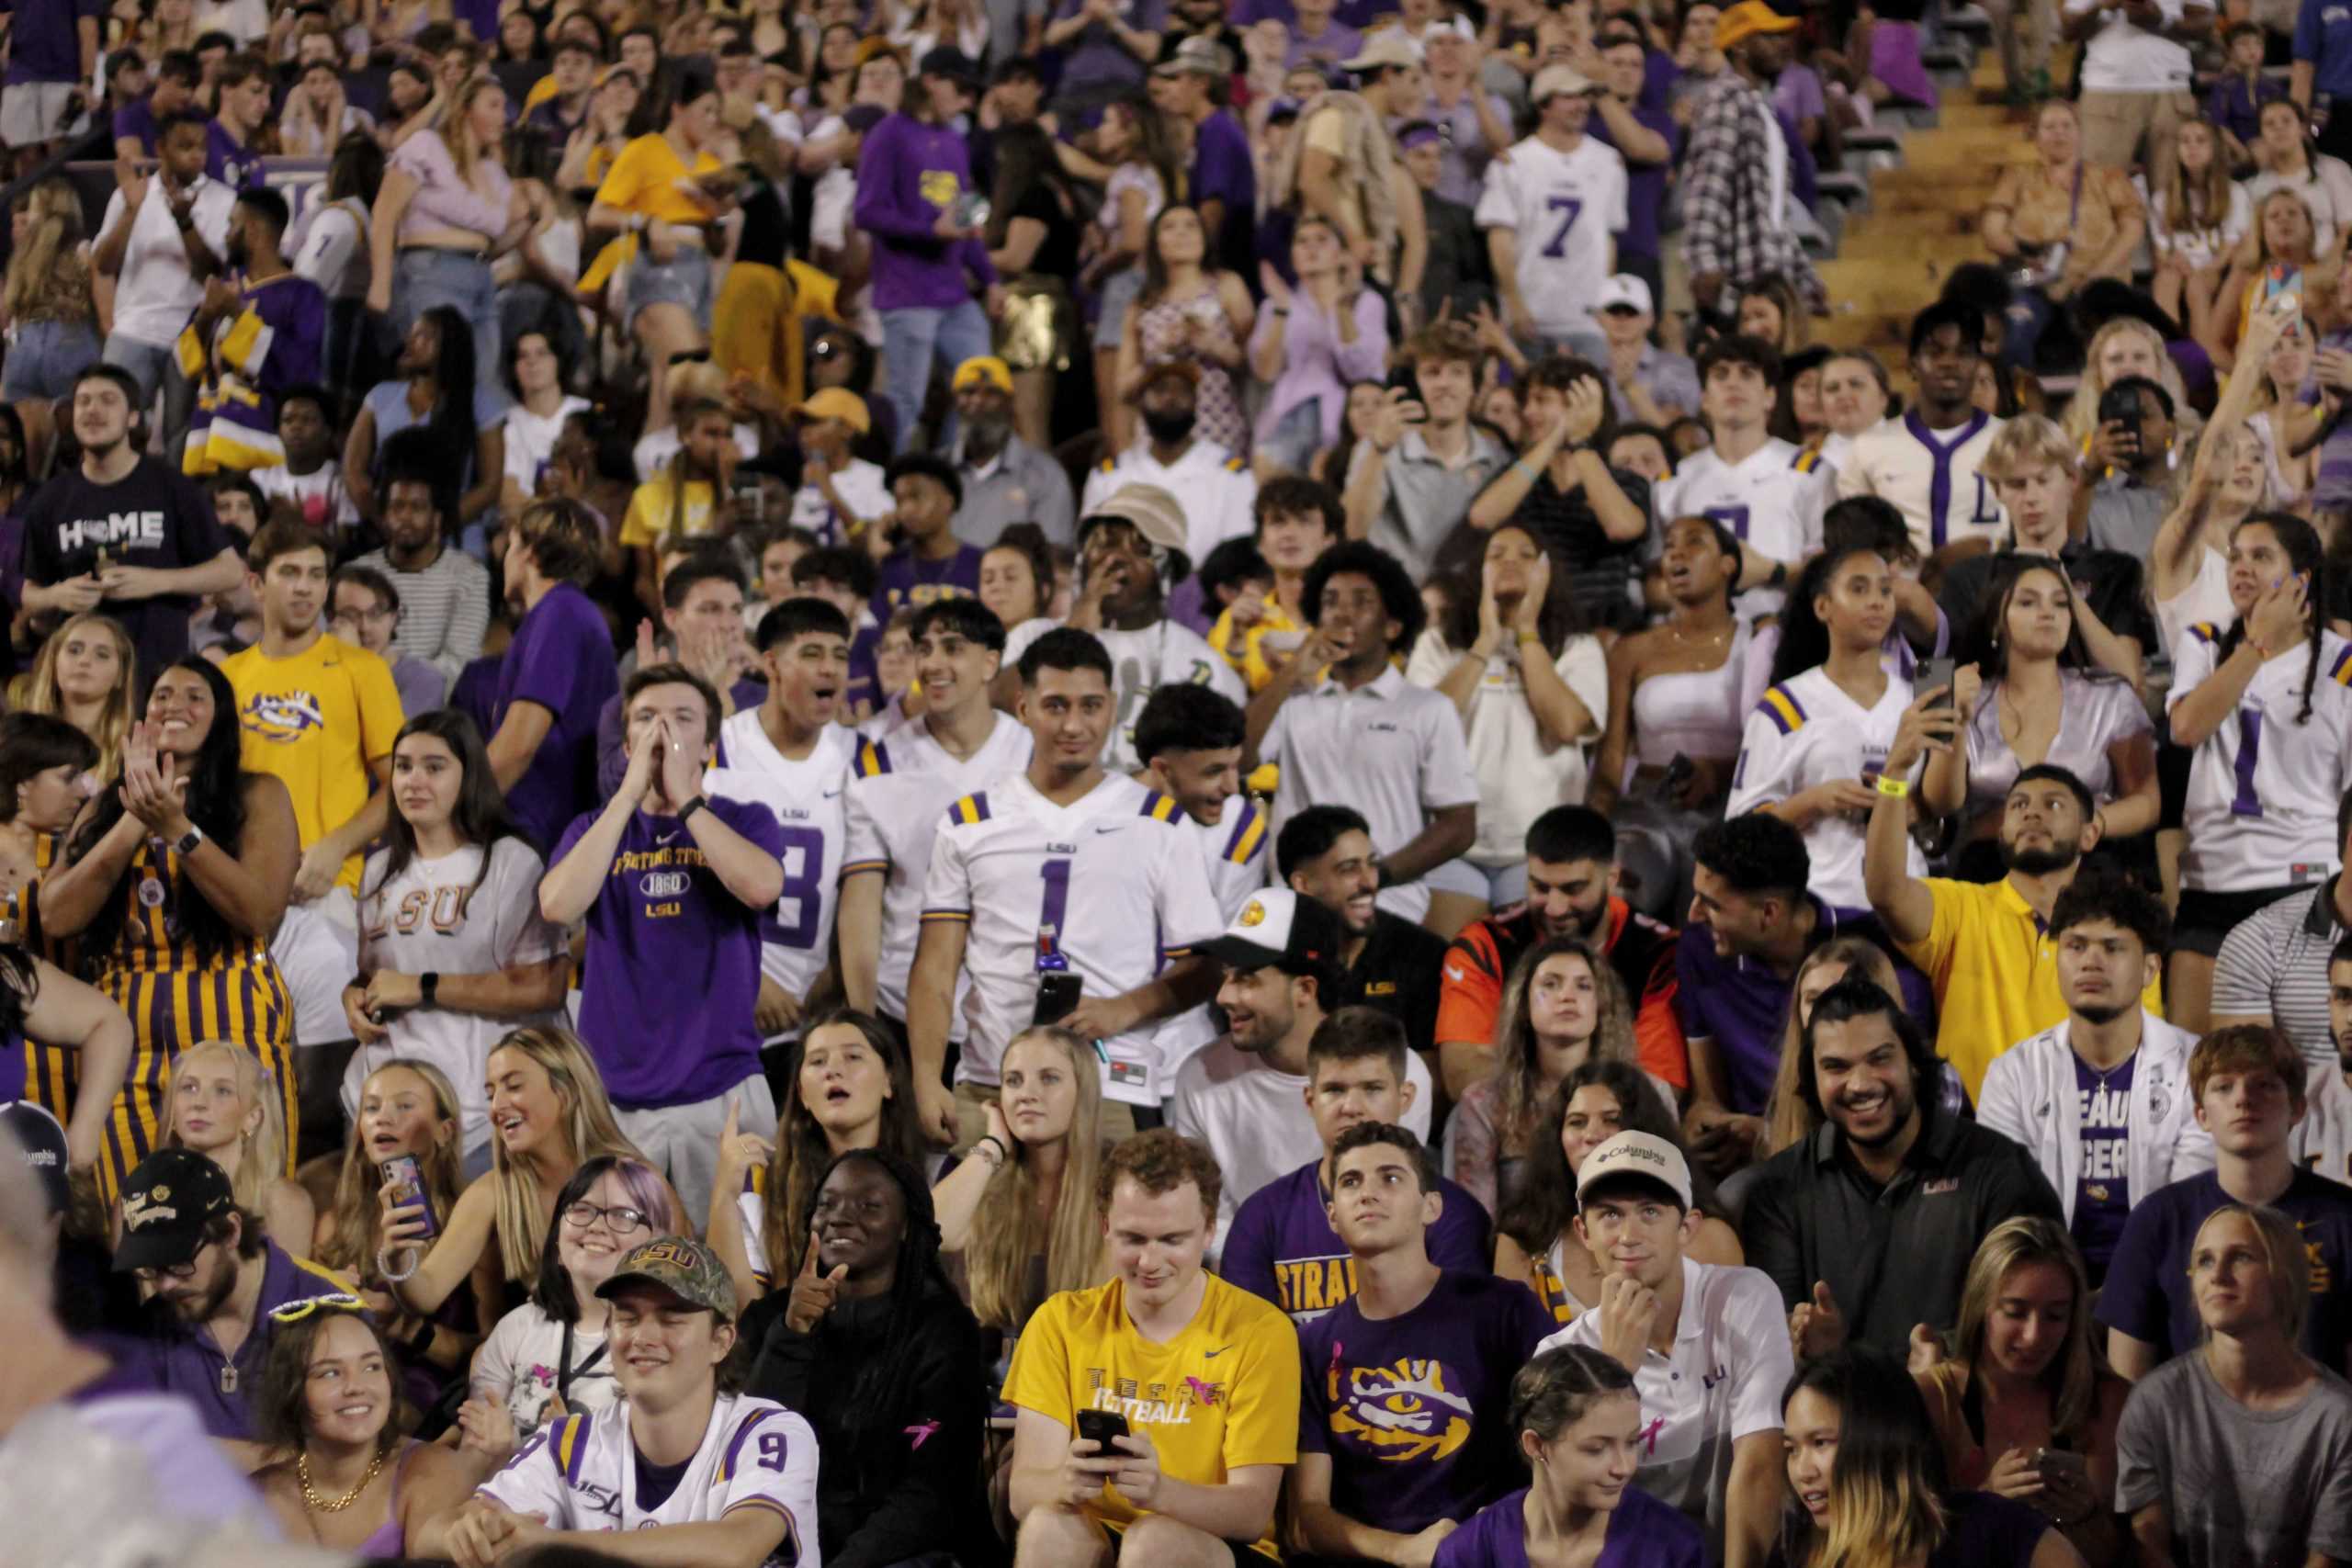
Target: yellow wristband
{"x":1892,"y":787}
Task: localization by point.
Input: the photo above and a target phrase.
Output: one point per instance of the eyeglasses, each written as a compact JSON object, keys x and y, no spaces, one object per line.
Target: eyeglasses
{"x":619,"y":1220}
{"x":171,"y":1272}
{"x":333,"y":1301}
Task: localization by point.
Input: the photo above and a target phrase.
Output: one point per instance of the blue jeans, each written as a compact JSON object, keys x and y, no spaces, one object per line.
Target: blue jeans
{"x":424,"y":278}
{"x":45,"y":359}
{"x":152,"y":365}
{"x":912,"y":336}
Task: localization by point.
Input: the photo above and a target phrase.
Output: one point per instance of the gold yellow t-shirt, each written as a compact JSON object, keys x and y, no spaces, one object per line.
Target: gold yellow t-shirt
{"x":652,"y":511}
{"x":1222,"y":1394}
{"x":316,"y":721}
{"x":646,"y":176}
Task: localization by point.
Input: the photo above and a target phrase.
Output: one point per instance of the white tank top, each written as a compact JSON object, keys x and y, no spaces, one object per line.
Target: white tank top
{"x":1692,"y":712}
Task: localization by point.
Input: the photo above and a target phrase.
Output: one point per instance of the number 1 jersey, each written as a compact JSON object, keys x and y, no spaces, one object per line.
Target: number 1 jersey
{"x":2264,"y":788}
{"x":1563,"y":209}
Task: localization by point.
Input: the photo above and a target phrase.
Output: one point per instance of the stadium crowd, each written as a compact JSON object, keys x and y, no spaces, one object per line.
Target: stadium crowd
{"x":955,"y":783}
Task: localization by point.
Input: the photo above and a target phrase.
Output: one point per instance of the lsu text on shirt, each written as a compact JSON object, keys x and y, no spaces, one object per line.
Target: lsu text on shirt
{"x":1929,"y":476}
{"x":1111,"y":885}
{"x":1808,"y":731}
{"x":1772,"y":500}
{"x":581,"y":1475}
{"x":315,"y":721}
{"x":806,"y":798}
{"x":1566,"y":210}
{"x":2264,"y":788}
{"x":1222,"y":1394}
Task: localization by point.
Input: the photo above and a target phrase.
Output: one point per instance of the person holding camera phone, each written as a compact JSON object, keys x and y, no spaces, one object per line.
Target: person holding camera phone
{"x":2132,"y":451}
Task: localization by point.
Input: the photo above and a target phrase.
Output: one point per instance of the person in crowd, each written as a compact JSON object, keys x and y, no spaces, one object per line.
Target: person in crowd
{"x":692,"y":496}
{"x":220,"y":1290}
{"x":1384,"y":960}
{"x":189,"y":959}
{"x":71,"y":1049}
{"x":2134,"y":453}
{"x":86,"y":675}
{"x":2127,"y":1127}
{"x":1008,"y":480}
{"x":442,"y":592}
{"x":1409,"y":491}
{"x":538,"y":379}
{"x":2188,"y":567}
{"x":258,"y":334}
{"x":221,"y":1107}
{"x":1855,"y":396}
{"x":2273,"y":966}
{"x":1200,"y":1465}
{"x":50,"y":304}
{"x":1407,"y":768}
{"x":1647,"y":385}
{"x":2250,"y":1401}
{"x":242,"y":93}
{"x":1731,"y":240}
{"x":1414,"y":1328}
{"x":2278,"y":660}
{"x":1188,"y":741}
{"x":350,"y":1480}
{"x":119,"y":532}
{"x":331,"y":251}
{"x":1549,"y":272}
{"x":1711,"y":1394}
{"x":672,"y":1327}
{"x":1190,"y":312}
{"x":163,"y":237}
{"x":309,"y":484}
{"x":1563,"y":492}
{"x":364,"y":612}
{"x":553,"y":1355}
{"x":2024,"y":1408}
{"x":1929,"y":464}
{"x":1893,"y":1174}
{"x":557,"y":673}
{"x":928,"y":562}
{"x":1321,"y":332}
{"x":2248,"y":1084}
{"x":1297,"y":520}
{"x":1456,"y":272}
{"x":436,"y":386}
{"x":1866,"y":1472}
{"x":1222,"y":179}
{"x":875,"y":1342}
{"x":983,"y":913}
{"x":2070,"y":216}
{"x":452,"y":946}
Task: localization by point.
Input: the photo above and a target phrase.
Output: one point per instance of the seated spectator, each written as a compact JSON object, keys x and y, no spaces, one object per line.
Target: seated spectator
{"x":1855,"y":397}
{"x":1214,"y":491}
{"x":1579,"y":1426}
{"x":2274,"y":970}
{"x":2132,"y":452}
{"x":363,"y":609}
{"x":218,"y":1282}
{"x":691,"y":497}
{"x":1563,"y":493}
{"x":221,"y":1108}
{"x":538,"y":378}
{"x":2196,"y":220}
{"x":2235,"y":1447}
{"x":552,"y":1356}
{"x":1864,"y":1467}
{"x":654,"y":1463}
{"x":1446,"y":1341}
{"x":874,"y":1341}
{"x":308,"y":483}
{"x":2023,"y":1376}
{"x":1020,"y":1210}
{"x":2248,"y":1084}
{"x":1222,"y":1439}
{"x":350,"y":1481}
{"x":848,"y":1090}
{"x":2233,"y":103}
{"x":85,"y":675}
{"x":1647,"y":385}
{"x":2101,"y":1100}
{"x":2289,"y":160}
{"x":1282,"y":1243}
{"x":699,"y":586}
{"x":2061,"y":223}
{"x":1704,"y":1342}
{"x":70,"y":1046}
{"x":928,"y":563}
{"x":840,"y":494}
{"x":1297,"y":520}
{"x":1008,"y":480}
{"x":1536,"y":1239}
{"x":1017,"y":580}
{"x":1822,"y":1218}
{"x":1384,"y":960}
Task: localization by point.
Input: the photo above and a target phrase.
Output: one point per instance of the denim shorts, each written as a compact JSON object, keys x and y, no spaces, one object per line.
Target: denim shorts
{"x":1295,"y":437}
{"x":1119,"y":292}
{"x":44,"y":357}
{"x":683,"y":281}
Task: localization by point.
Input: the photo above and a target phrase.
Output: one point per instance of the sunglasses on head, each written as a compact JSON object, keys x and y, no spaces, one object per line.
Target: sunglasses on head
{"x":333,"y":1301}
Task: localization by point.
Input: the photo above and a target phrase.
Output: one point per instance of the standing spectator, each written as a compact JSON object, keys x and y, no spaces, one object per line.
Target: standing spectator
{"x":1340,"y":164}
{"x":2273,"y":966}
{"x":443,"y":593}
{"x":1222,"y":183}
{"x":161,"y":238}
{"x":1647,"y":385}
{"x":928,"y":563}
{"x":331,"y":251}
{"x":557,"y":673}
{"x":1310,"y":343}
{"x":2196,"y":222}
{"x":2137,"y":79}
{"x":537,"y":377}
{"x":1868,"y":1228}
{"x":364,"y":612}
{"x":1410,"y":490}
{"x":1036,"y":233}
{"x":242,"y":89}
{"x":52,"y":51}
{"x":1007,"y":479}
{"x":2238,"y":1451}
{"x":256,"y":337}
{"x":2233,"y":103}
{"x":1186,"y":311}
{"x":309,"y":485}
{"x":1473,"y":123}
{"x":1563,"y":492}
{"x":1649,"y":139}
{"x":434,"y":388}
{"x":51,"y":313}
{"x":1737,"y":206}
{"x":1209,"y":487}
{"x":138,"y":124}
{"x":1552,"y":211}
{"x":1297,"y":519}
{"x":1459,"y":277}
{"x":1105,"y":46}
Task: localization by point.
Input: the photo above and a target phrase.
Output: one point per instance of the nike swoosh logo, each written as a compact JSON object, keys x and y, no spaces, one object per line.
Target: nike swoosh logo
{"x":1108,"y":827}
{"x":1452,"y":972}
{"x":1212,"y":1355}
{"x":831,"y":793}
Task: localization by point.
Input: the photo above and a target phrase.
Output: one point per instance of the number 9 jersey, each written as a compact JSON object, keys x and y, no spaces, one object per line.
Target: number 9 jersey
{"x":580,"y":1473}
{"x":2263,"y":789}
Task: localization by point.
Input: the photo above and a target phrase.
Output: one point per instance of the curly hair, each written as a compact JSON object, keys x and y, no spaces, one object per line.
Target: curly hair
{"x":1517,"y":1074}
{"x":1160,"y":1161}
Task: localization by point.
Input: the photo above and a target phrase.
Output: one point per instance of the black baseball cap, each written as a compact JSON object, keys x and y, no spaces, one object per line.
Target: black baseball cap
{"x":166,"y":1204}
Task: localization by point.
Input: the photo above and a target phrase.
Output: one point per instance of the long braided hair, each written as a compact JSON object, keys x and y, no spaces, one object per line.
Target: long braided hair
{"x":2307,"y":556}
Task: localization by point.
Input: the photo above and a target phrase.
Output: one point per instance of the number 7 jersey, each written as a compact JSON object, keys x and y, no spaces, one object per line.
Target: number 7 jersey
{"x":1112,"y":885}
{"x":2262,"y":790}
{"x":1564,"y":210}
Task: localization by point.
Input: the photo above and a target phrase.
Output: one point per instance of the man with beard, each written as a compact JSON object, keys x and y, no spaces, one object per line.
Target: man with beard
{"x":253,"y":339}
{"x":1571,"y":891}
{"x":123,"y":533}
{"x":1427,"y":463}
{"x":1006,"y":480}
{"x":1215,"y":487}
{"x":445,"y":592}
{"x":1384,"y":960}
{"x":1927,"y":464}
{"x":2102,"y":1100}
{"x":219,"y":1282}
{"x":1986,"y":947}
{"x":1868,"y":1227}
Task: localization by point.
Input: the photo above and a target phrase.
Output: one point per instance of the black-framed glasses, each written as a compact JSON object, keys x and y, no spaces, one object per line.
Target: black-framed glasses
{"x":169,"y":1271}
{"x":620,"y":1218}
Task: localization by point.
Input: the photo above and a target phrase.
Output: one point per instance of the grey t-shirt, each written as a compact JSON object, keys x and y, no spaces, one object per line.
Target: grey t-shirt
{"x":2242,"y":1486}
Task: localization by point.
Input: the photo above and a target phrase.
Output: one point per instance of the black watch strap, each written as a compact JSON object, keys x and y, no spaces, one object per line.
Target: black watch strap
{"x":428,"y":987}
{"x":690,"y":808}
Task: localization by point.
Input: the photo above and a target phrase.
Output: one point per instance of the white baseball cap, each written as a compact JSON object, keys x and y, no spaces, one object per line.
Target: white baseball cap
{"x":1623,"y":292}
{"x":1637,"y":1154}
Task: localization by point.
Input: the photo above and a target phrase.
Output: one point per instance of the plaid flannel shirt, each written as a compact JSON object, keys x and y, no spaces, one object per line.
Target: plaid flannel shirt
{"x":1726,"y":187}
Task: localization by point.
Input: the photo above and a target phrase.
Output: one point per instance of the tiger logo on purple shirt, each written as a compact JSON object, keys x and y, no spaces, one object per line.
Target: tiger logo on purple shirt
{"x":1402,"y":1412}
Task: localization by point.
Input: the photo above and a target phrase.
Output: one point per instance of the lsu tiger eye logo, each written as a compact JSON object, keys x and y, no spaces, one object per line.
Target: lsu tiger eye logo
{"x":939,"y":187}
{"x":1400,"y":1413}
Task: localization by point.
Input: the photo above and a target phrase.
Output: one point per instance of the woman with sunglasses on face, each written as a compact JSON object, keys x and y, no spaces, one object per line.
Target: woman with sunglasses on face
{"x":342,"y":1475}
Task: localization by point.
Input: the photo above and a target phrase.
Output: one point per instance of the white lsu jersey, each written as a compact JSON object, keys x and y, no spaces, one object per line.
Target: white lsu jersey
{"x":2263,"y":789}
{"x":903,"y":785}
{"x":1112,"y":884}
{"x":580,"y":1474}
{"x":1166,"y":653}
{"x":1772,"y":501}
{"x":1805,"y":732}
{"x":1233,"y":851}
{"x":1930,"y":477}
{"x":805,"y":796}
{"x":1564,"y":210}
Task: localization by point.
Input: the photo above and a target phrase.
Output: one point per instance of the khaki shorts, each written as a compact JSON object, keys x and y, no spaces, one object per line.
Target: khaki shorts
{"x":972,"y":1101}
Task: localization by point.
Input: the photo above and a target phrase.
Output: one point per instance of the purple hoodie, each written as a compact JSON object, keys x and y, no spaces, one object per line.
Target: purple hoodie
{"x":908,"y":173}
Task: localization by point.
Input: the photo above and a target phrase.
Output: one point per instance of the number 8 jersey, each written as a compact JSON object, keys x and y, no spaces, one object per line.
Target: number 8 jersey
{"x":1112,"y":885}
{"x":1563,"y":209}
{"x":2262,"y":790}
{"x":580,"y":1473}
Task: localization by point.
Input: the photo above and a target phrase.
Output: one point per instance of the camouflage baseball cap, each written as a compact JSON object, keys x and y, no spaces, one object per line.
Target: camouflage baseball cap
{"x":682,"y":1265}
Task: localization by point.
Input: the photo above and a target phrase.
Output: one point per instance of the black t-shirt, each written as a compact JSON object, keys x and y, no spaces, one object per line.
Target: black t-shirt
{"x":1058,"y":251}
{"x":656,"y":1482}
{"x":1981,"y":1530}
{"x":767,"y":229}
{"x":151,"y":517}
{"x":1398,"y":973}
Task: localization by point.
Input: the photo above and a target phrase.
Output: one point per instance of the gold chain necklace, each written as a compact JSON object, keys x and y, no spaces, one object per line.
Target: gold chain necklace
{"x":317,"y":1505}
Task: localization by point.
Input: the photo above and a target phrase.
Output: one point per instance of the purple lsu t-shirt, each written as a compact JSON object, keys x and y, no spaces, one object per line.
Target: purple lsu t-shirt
{"x":905,"y":578}
{"x":1281,"y":1245}
{"x":1644,"y":183}
{"x":2103,"y":1192}
{"x":562,"y":659}
{"x":1643,"y":1533}
{"x":674,"y":962}
{"x":1413,"y":1409}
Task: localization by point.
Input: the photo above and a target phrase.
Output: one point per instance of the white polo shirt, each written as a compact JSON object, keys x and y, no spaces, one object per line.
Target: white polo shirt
{"x":154,"y":294}
{"x":2123,"y":57}
{"x":1393,"y":750}
{"x":1722,"y":1382}
{"x":1215,"y":489}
